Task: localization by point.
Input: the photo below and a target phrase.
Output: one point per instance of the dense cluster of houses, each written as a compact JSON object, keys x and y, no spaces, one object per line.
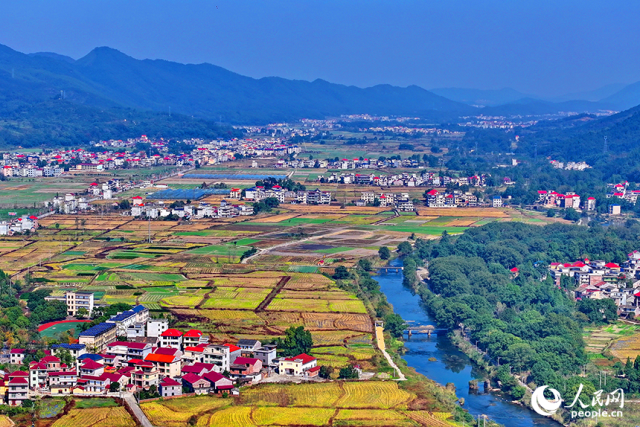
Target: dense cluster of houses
{"x":600,"y":279}
{"x":19,"y":225}
{"x":151,"y":355}
{"x":404,"y":180}
{"x":436,"y":199}
{"x":622,"y":191}
{"x":550,"y":198}
{"x":257,"y":193}
{"x":399,"y":201}
{"x":203,"y":210}
{"x":120,"y":154}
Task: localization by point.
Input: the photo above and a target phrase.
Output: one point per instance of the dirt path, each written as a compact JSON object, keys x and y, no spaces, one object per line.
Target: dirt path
{"x":382,"y":347}
{"x":275,"y":291}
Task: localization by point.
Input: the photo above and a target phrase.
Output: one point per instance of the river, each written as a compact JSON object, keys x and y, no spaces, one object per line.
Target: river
{"x":451,"y":365}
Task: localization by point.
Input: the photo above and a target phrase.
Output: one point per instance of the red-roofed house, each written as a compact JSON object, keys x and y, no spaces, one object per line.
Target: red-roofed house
{"x":61,"y":382}
{"x":18,"y":390}
{"x":195,"y":384}
{"x":193,"y":338}
{"x":234,"y":352}
{"x":297,"y":365}
{"x":171,"y":338}
{"x":166,"y":361}
{"x":218,"y":383}
{"x":145,"y":375}
{"x":16,"y":356}
{"x":91,"y":368}
{"x":170,"y":387}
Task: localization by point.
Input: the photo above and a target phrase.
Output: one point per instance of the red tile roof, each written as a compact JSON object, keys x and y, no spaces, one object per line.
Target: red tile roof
{"x":305,"y":358}
{"x":232,"y":347}
{"x":171,"y":333}
{"x":193,"y":333}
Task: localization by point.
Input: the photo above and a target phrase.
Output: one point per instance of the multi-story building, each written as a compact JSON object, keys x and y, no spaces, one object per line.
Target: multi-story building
{"x":99,"y":336}
{"x":171,"y":338}
{"x":218,"y":355}
{"x":79,"y":299}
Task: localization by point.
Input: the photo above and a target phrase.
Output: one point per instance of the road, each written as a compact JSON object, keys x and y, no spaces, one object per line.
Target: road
{"x":140,"y":416}
{"x":382,"y":347}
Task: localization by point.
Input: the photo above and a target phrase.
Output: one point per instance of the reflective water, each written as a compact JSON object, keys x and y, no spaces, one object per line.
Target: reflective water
{"x":451,"y":365}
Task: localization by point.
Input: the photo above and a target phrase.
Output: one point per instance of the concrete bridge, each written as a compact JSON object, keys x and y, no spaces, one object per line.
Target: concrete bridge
{"x":425,"y":329}
{"x":391,"y":269}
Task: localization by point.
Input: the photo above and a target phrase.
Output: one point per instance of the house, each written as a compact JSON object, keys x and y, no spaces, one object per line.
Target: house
{"x":128,"y":350}
{"x":99,"y":336}
{"x":297,"y":365}
{"x":171,"y":338}
{"x":16,"y":356}
{"x":218,"y":383}
{"x":235,"y":352}
{"x":248,"y":346}
{"x":145,"y":374}
{"x":217,"y":355}
{"x":95,"y":384}
{"x":497,"y":202}
{"x":193,"y":338}
{"x":198,"y":368}
{"x":91,"y":368}
{"x":170,"y":387}
{"x":195,"y":384}
{"x":61,"y":382}
{"x":155,"y":327}
{"x":166,"y":361}
{"x":38,"y":375}
{"x":266,"y":354}
{"x":18,"y":388}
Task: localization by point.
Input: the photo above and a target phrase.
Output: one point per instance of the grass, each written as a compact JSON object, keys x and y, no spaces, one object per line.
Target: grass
{"x":49,"y":408}
{"x":226,"y":250}
{"x":334,"y":250}
{"x":95,"y":403}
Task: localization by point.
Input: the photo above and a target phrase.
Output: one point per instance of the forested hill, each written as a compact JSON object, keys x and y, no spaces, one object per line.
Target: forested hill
{"x":525,"y":321}
{"x":106,"y":77}
{"x":581,"y":138}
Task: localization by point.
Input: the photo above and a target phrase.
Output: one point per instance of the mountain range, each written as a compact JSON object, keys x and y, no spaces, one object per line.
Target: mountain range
{"x":47,"y":97}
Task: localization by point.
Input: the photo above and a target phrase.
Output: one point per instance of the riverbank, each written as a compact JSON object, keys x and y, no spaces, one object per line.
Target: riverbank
{"x":438,"y":359}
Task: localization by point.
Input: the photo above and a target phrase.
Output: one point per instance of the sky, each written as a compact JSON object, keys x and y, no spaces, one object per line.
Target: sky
{"x":540,"y":47}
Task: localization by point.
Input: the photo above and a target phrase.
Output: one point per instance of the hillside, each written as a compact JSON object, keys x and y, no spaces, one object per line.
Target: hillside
{"x":106,"y":77}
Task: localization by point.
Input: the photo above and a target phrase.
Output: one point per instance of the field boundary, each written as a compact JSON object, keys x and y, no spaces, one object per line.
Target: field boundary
{"x":275,"y":291}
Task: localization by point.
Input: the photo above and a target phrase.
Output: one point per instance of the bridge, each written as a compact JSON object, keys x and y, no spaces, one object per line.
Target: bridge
{"x":424,"y":329}
{"x":391,"y":269}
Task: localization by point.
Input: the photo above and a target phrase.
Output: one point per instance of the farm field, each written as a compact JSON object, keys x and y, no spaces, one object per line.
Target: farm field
{"x":96,"y":417}
{"x":312,"y":404}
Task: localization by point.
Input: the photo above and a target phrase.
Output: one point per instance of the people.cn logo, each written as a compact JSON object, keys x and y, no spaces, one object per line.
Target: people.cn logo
{"x":542,"y":405}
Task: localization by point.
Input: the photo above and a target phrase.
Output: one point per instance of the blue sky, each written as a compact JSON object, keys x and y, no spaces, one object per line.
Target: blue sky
{"x":540,"y":47}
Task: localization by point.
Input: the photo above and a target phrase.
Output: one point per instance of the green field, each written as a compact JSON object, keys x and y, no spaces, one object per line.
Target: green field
{"x":61,"y":327}
{"x":227,"y":250}
{"x":334,"y":250}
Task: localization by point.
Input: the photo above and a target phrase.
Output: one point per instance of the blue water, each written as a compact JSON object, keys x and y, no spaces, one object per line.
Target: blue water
{"x":452,"y":366}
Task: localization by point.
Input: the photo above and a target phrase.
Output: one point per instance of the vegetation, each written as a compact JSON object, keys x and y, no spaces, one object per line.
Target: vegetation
{"x":296,"y":341}
{"x":524,"y":323}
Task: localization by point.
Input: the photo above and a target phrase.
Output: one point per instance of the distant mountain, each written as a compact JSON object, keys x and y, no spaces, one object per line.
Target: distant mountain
{"x":627,"y":97}
{"x":534,"y":107}
{"x":106,"y":77}
{"x":480,"y":97}
{"x":591,"y":95}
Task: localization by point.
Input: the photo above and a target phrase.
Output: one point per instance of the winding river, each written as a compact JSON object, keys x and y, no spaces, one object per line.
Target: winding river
{"x":451,"y":365}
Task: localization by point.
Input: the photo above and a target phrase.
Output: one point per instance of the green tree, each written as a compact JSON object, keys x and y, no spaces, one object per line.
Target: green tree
{"x":297,"y":340}
{"x":365,"y":264}
{"x":341,"y":273}
{"x":348,"y":373}
{"x":395,"y":325}
{"x":114,"y":387}
{"x":384,"y":253}
{"x":82,"y":313}
{"x":325,"y":371}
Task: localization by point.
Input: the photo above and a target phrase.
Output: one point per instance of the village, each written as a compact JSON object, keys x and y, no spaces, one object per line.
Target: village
{"x":133,"y":352}
{"x":597,"y":279}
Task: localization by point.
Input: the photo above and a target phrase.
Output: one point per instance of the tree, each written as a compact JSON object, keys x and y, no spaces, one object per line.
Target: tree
{"x":395,"y":325}
{"x":82,"y":313}
{"x":365,"y":264}
{"x":341,"y":273}
{"x":65,"y":357}
{"x":325,"y":371}
{"x":571,"y":214}
{"x":551,"y":213}
{"x":384,"y":253}
{"x":348,"y":373}
{"x":114,"y":387}
{"x":404,"y":248}
{"x":297,"y":340}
